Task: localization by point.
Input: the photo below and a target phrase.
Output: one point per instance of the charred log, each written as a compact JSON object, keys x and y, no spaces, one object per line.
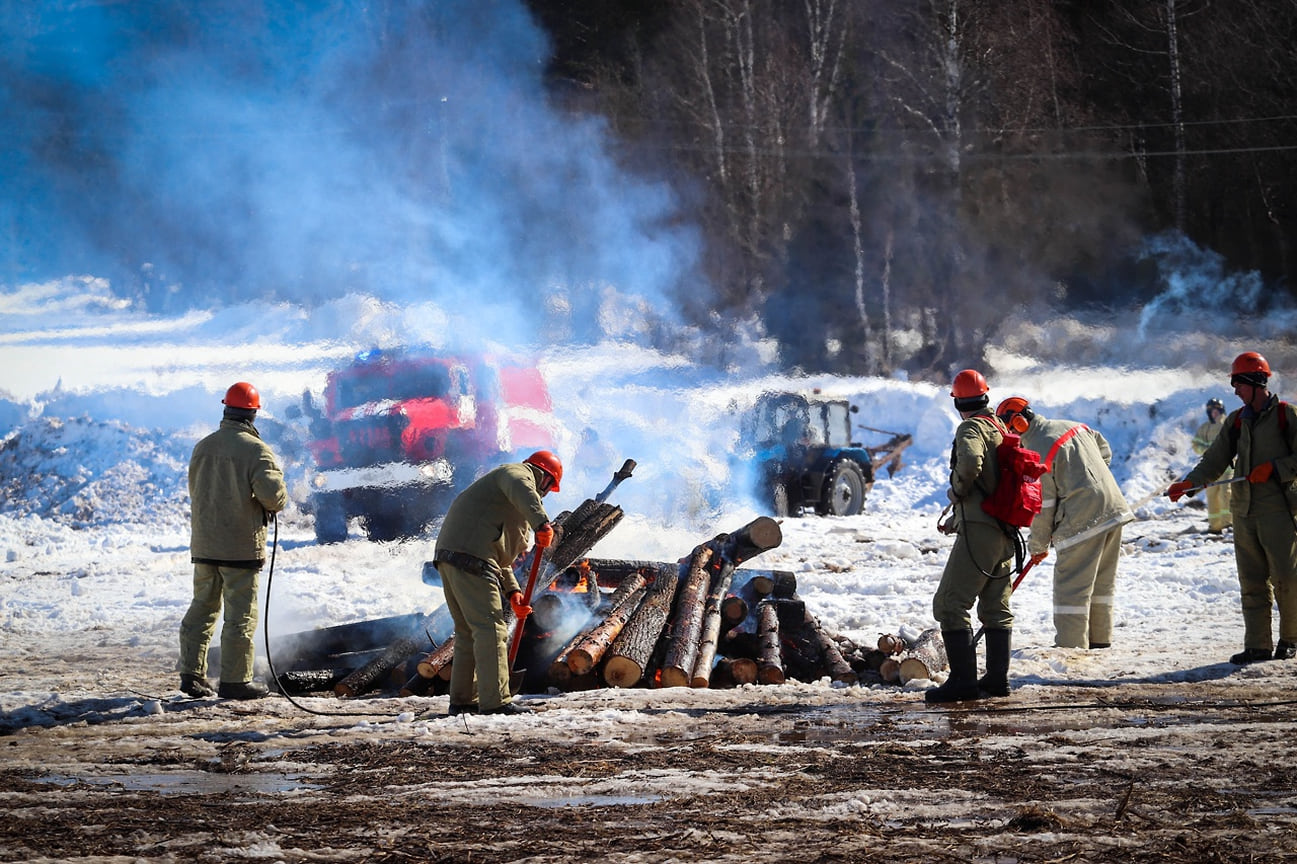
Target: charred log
{"x":775,"y":583}
{"x":373,"y":673}
{"x":299,"y":681}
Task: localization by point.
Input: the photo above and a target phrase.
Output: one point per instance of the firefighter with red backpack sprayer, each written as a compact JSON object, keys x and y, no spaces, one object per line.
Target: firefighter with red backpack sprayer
{"x":1259,"y":441}
{"x":984,"y":554}
{"x":1082,"y":515}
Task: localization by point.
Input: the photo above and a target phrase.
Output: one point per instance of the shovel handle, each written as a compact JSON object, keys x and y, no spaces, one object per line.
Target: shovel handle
{"x":526,"y":601}
{"x":977,"y":637}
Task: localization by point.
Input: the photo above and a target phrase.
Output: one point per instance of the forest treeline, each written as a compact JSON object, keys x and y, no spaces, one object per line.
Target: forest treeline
{"x":862,"y":168}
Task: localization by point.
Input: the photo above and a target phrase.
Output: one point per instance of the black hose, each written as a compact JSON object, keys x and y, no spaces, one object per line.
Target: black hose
{"x":265,"y":629}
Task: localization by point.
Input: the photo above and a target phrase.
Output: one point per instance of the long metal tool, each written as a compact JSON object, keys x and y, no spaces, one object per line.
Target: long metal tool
{"x":526,"y":601}
{"x":627,"y":468}
{"x":977,"y":637}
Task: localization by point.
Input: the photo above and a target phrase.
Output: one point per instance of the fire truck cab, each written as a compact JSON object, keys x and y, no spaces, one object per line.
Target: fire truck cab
{"x":401,"y":432}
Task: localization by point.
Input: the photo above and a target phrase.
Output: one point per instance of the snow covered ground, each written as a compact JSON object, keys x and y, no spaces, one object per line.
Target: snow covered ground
{"x":102,"y":406}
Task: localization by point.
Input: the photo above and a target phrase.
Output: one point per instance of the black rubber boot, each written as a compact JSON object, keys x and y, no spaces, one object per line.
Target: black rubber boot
{"x":996,"y":680}
{"x":196,"y":686}
{"x":961,"y":686}
{"x":242,"y":690}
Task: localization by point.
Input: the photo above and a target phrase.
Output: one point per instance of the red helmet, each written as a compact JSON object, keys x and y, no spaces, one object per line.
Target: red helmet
{"x":969,"y":384}
{"x":1014,"y":412}
{"x":1249,"y":362}
{"x":549,"y":463}
{"x":242,"y":395}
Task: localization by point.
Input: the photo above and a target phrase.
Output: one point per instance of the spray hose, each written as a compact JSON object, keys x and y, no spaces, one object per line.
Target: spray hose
{"x":279,"y":685}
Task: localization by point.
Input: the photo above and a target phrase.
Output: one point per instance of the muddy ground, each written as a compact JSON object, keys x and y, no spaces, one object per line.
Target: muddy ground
{"x":1131,"y":772}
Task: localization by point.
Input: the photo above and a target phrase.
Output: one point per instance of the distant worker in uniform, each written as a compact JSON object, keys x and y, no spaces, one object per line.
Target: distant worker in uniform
{"x":235,"y":487}
{"x":1082,"y":514}
{"x":981,"y":560}
{"x":1258,"y":441}
{"x":484,"y":532}
{"x":1218,"y":518}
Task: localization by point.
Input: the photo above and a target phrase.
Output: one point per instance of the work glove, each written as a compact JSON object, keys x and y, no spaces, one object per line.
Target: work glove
{"x":544,"y":536}
{"x":520,"y":610}
{"x":1178,"y":490}
{"x":1038,"y":557}
{"x":1261,"y":473}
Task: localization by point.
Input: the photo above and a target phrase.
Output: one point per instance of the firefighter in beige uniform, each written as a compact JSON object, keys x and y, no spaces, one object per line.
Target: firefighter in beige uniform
{"x":484,"y":531}
{"x":1259,"y":441}
{"x":235,"y":484}
{"x":981,"y":559}
{"x":1218,"y":518}
{"x":1082,"y":514}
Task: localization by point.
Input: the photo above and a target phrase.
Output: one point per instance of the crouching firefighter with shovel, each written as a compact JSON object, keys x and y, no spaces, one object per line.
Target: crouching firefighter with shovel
{"x":484,"y":531}
{"x":983,"y":556}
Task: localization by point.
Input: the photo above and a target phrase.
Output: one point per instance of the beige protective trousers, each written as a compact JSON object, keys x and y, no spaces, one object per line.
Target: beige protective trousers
{"x":479,"y":669}
{"x":978,"y":547}
{"x":1218,"y":515}
{"x":1085,"y":580}
{"x":1264,"y":550}
{"x":236,"y":587}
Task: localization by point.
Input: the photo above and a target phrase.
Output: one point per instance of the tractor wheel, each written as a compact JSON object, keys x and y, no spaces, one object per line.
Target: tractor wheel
{"x":779,"y":499}
{"x":844,"y":493}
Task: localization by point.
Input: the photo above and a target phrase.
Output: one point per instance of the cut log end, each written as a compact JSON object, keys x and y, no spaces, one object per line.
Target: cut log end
{"x":619,"y":671}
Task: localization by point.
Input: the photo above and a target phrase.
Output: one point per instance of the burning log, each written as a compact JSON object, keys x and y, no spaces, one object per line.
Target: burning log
{"x":682,"y":645}
{"x":927,"y":655}
{"x":587,"y":653}
{"x":711,"y":629}
{"x":629,"y":655}
{"x":770,"y":664}
{"x":368,"y":676}
{"x":760,"y":535}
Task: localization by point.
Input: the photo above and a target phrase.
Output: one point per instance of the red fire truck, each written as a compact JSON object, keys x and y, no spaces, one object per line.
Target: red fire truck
{"x":402,"y":431}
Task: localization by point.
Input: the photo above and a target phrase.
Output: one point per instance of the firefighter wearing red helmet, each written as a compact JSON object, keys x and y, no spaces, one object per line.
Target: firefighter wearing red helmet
{"x":1081,"y":516}
{"x":484,"y":532}
{"x":1259,"y":440}
{"x":981,"y":560}
{"x":234,"y":484}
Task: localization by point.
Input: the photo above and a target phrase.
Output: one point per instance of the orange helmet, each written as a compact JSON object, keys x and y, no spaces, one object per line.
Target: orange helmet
{"x":242,"y":395}
{"x":549,"y":463}
{"x":969,"y":384}
{"x":1249,"y":363}
{"x":1014,"y":412}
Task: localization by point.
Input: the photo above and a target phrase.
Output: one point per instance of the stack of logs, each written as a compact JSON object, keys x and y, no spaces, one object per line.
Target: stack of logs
{"x":700,"y":622}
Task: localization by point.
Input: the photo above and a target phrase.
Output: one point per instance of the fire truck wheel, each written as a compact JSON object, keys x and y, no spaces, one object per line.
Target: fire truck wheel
{"x":844,"y":493}
{"x":330,"y":519}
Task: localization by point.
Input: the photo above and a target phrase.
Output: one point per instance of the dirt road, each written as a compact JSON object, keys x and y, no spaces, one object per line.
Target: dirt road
{"x":1131,"y":772}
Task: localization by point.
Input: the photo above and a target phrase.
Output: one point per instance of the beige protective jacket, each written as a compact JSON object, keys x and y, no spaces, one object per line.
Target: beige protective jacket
{"x":490,"y":519}
{"x":1261,"y":438}
{"x":234,"y":482}
{"x":1080,"y":497}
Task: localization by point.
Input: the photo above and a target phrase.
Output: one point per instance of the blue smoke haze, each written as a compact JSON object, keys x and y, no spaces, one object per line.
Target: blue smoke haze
{"x":199,"y":154}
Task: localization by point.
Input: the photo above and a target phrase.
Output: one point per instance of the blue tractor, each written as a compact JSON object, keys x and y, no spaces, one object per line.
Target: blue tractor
{"x":805,"y":457}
